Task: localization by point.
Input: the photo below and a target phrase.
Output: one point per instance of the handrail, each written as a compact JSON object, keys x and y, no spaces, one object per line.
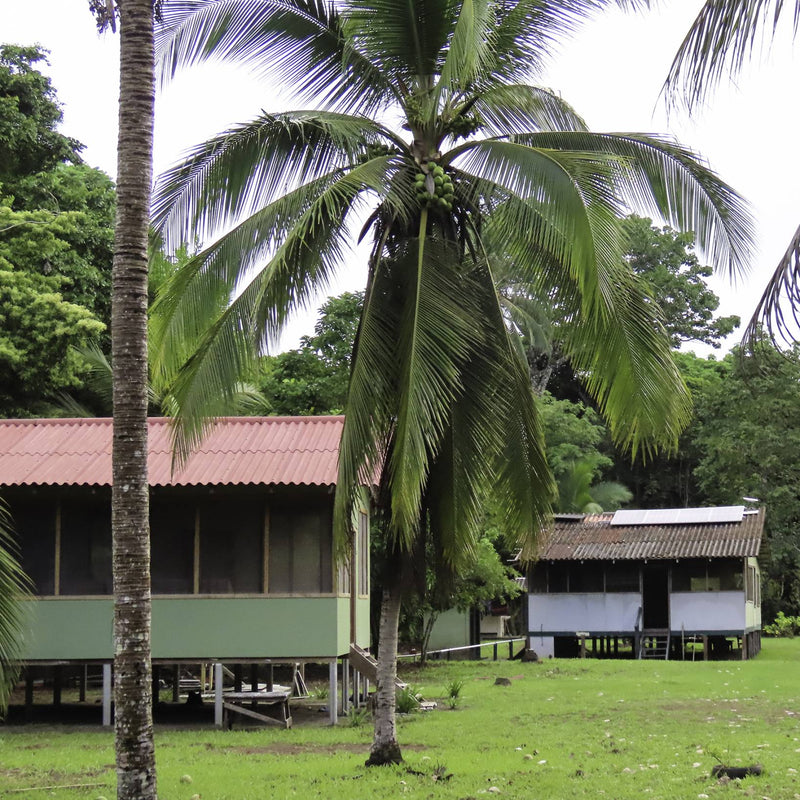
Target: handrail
{"x":488,"y":643}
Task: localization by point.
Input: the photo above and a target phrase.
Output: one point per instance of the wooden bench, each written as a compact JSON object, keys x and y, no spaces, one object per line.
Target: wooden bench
{"x":232,"y":703}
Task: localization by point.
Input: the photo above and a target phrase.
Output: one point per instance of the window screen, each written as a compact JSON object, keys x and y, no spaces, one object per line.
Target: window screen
{"x":557,"y":577}
{"x":85,"y":548}
{"x":538,"y":578}
{"x":689,"y":576}
{"x":622,"y":577}
{"x":300,"y":557}
{"x":725,"y":576}
{"x":231,"y":546}
{"x":172,"y":547}
{"x":363,"y":553}
{"x":35,"y":527}
{"x":586,"y":577}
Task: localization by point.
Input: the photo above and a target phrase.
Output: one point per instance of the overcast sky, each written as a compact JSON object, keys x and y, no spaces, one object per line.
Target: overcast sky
{"x":611,"y":73}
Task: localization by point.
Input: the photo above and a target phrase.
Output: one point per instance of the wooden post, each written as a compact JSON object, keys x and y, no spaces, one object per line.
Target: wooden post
{"x":176,"y":684}
{"x":270,"y":677}
{"x":28,"y":694}
{"x":218,"y":694}
{"x":333,"y":700}
{"x":494,"y":651}
{"x":705,"y":648}
{"x":744,"y":646}
{"x":156,"y":673}
{"x":106,"y":695}
{"x":582,"y":641}
{"x":345,"y":684}
{"x":58,"y":674}
{"x":616,"y":646}
{"x":237,"y":678}
{"x":254,"y":677}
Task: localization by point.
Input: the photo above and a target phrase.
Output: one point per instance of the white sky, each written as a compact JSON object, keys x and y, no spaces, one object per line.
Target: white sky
{"x":611,"y":73}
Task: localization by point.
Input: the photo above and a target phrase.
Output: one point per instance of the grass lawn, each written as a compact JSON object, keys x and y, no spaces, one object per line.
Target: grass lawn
{"x":562,"y":729}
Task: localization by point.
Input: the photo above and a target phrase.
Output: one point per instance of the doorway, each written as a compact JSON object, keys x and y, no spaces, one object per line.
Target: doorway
{"x":655,"y":597}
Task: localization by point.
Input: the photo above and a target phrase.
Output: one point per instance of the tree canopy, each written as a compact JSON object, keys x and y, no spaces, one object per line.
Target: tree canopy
{"x":56,"y":234}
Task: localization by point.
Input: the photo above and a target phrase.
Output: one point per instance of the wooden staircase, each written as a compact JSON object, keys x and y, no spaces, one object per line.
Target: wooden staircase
{"x":364,"y":663}
{"x":654,"y":643}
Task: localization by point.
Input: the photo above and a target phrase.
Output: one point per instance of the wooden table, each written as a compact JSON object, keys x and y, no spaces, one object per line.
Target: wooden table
{"x":233,"y":703}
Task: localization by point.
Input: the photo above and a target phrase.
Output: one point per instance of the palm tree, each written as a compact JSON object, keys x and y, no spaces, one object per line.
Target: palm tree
{"x":722,"y":37}
{"x":133,"y":722}
{"x":429,"y":138}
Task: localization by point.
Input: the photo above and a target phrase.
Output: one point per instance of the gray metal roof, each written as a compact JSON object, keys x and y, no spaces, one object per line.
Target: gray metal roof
{"x":592,"y":537}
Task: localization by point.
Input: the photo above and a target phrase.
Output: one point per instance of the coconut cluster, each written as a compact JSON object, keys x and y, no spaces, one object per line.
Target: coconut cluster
{"x":434,"y":189}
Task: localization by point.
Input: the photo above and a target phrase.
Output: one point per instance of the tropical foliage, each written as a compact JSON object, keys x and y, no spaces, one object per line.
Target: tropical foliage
{"x":722,"y":38}
{"x":56,"y":232}
{"x":426,"y":135}
{"x":14,"y":588}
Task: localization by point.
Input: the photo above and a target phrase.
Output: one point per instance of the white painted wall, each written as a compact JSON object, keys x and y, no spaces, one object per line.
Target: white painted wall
{"x":707,"y":611}
{"x":592,"y":611}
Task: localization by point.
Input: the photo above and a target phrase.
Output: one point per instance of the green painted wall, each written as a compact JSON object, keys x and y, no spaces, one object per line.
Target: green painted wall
{"x":753,"y":612}
{"x":196,"y":627}
{"x":451,"y":629}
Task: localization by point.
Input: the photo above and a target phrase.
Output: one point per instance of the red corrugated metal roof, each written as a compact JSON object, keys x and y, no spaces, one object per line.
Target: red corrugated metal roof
{"x":237,"y":450}
{"x":594,"y":538}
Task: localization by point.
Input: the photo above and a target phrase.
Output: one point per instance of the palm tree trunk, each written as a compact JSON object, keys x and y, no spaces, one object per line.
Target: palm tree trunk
{"x":385,"y":749}
{"x":135,"y":755}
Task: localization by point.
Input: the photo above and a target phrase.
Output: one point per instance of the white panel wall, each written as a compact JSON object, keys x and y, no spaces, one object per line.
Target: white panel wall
{"x":707,"y":611}
{"x":592,"y":611}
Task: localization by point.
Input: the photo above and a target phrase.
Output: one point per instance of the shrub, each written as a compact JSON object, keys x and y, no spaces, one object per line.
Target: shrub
{"x":408,"y":699}
{"x":356,"y":716}
{"x":783,"y":626}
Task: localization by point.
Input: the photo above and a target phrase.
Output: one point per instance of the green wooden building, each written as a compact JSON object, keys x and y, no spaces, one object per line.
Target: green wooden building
{"x":242,"y":562}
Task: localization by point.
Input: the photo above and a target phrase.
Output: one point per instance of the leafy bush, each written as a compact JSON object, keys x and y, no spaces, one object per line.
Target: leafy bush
{"x":408,"y":699}
{"x":356,"y":716}
{"x":783,"y":626}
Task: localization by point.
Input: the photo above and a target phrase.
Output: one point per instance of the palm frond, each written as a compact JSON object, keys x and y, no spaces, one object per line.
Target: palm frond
{"x":521,"y":109}
{"x":469,"y":51}
{"x":550,"y":196}
{"x":307,"y":235}
{"x":298,"y":42}
{"x":529,"y":31}
{"x":14,"y":590}
{"x":662,"y":177}
{"x":624,"y":359}
{"x":404,"y":39}
{"x":239,"y":171}
{"x":434,"y":339}
{"x":778,"y":311}
{"x":722,"y":37}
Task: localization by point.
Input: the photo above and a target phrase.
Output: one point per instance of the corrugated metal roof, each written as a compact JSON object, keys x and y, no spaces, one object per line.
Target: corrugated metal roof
{"x":237,"y":450}
{"x":594,"y":538}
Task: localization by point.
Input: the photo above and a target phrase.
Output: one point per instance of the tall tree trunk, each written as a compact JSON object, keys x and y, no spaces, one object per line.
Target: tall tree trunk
{"x":385,"y":749}
{"x":135,"y":755}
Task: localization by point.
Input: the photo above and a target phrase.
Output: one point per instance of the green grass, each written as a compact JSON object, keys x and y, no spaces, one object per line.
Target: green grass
{"x":563,"y":729}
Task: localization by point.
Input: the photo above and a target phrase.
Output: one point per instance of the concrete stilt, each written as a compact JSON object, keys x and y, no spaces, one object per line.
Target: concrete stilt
{"x":106,"y":695}
{"x":333,"y":692}
{"x":218,"y":694}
